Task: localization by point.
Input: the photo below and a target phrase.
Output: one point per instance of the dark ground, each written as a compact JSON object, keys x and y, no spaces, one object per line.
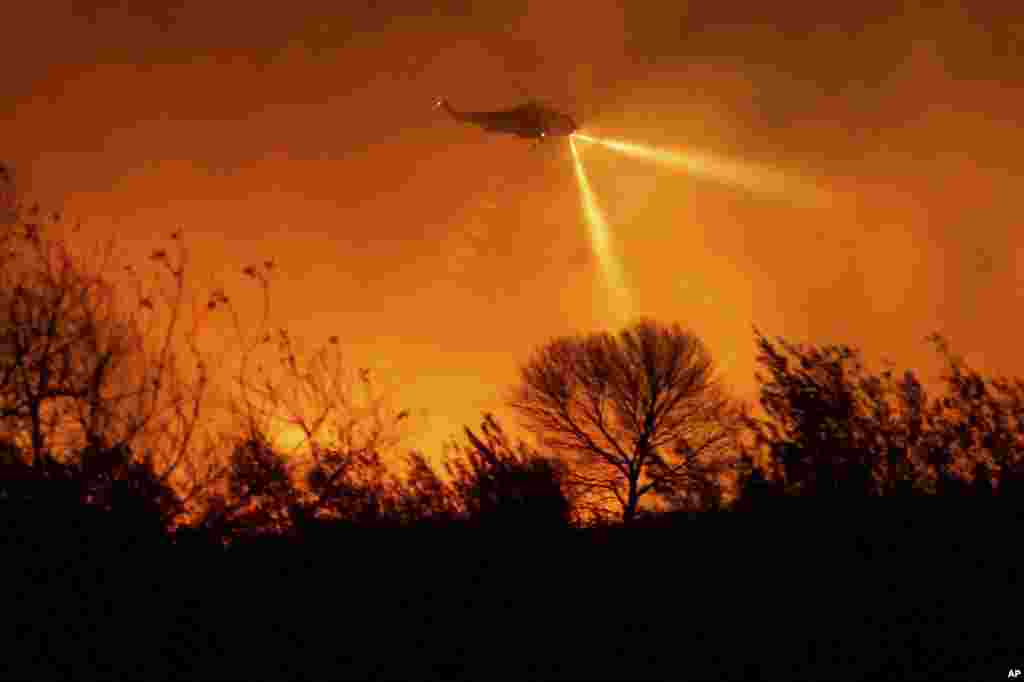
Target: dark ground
{"x":720,"y":597}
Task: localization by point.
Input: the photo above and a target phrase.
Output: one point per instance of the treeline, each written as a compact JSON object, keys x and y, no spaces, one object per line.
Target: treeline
{"x":834,"y":439}
{"x":104,"y":393}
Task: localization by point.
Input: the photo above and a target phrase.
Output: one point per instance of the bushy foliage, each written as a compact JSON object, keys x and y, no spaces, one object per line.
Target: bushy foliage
{"x":105,"y":495}
{"x":497,"y":483}
{"x":836,"y":431}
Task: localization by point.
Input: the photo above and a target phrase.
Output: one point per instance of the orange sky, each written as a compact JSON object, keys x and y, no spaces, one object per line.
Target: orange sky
{"x":303,"y":133}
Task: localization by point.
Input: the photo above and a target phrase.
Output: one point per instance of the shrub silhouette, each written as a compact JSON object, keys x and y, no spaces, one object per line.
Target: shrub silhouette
{"x":104,"y":500}
{"x":259,"y":493}
{"x":501,"y":485}
{"x":837,"y":433}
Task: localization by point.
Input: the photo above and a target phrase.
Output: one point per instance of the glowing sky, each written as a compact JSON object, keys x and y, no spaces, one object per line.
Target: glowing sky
{"x":304,"y":132}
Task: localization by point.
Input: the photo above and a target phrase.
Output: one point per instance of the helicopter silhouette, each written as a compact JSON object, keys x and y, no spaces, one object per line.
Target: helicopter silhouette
{"x":532,"y":120}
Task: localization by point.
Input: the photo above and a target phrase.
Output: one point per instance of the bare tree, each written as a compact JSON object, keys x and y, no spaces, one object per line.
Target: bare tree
{"x":638,"y":415}
{"x":92,"y":360}
{"x":346,"y":421}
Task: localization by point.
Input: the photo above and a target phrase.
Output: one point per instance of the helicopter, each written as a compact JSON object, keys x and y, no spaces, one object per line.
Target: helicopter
{"x":532,"y":120}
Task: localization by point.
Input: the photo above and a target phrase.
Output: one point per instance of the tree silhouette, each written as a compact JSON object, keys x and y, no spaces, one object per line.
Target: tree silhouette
{"x":820,"y":429}
{"x":90,"y":362}
{"x":59,"y":354}
{"x":346,"y":419}
{"x":637,"y":415}
{"x":976,"y":431}
{"x":836,"y":431}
